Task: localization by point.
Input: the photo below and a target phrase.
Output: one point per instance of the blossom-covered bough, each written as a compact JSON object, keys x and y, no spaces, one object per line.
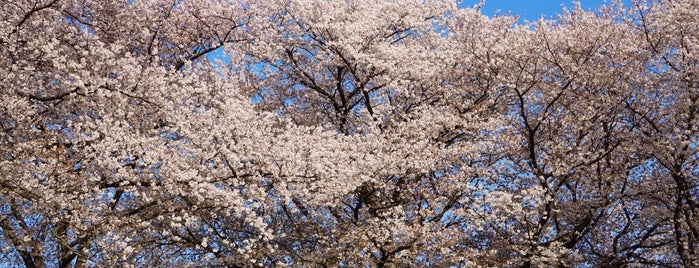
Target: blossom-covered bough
{"x":347,"y":133}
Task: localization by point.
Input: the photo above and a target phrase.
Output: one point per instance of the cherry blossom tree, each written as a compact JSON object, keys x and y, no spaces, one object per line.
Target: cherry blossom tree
{"x":347,"y":133}
{"x":665,"y":114}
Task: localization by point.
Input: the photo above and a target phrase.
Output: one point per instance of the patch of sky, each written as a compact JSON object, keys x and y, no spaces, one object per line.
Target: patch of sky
{"x":533,"y":10}
{"x":219,"y":58}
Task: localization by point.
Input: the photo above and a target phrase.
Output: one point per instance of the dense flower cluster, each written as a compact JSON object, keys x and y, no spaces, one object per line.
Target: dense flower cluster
{"x":358,"y":133}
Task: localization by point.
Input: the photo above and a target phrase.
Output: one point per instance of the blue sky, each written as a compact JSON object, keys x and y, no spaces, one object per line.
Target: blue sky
{"x":532,"y":9}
